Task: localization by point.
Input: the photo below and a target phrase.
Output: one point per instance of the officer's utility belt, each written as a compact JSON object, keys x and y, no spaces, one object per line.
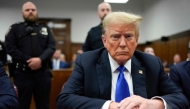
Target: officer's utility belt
{"x":23,"y":67}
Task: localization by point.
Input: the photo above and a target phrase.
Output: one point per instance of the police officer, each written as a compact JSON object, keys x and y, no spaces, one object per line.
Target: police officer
{"x":94,"y":38}
{"x":31,"y":45}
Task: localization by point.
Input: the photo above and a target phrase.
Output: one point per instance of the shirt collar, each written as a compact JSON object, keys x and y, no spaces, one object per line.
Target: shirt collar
{"x":114,"y":64}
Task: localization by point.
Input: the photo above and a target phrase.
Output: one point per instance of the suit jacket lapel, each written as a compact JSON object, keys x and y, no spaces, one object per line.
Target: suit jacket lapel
{"x":104,"y":75}
{"x":139,"y":78}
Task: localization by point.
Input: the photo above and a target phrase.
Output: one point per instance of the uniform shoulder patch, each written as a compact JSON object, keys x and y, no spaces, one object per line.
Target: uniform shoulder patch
{"x":12,"y":26}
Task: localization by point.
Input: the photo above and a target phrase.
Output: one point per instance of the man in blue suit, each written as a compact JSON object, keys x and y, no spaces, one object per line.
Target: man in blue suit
{"x":8,"y":98}
{"x":95,"y":82}
{"x":180,"y":74}
{"x":57,"y":63}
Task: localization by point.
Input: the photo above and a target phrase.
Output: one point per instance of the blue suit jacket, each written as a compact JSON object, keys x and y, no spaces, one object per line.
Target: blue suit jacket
{"x":180,"y":74}
{"x":89,"y":85}
{"x":8,"y":98}
{"x":62,"y":65}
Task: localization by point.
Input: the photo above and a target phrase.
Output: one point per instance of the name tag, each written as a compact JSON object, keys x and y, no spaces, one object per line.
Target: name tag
{"x":33,"y":34}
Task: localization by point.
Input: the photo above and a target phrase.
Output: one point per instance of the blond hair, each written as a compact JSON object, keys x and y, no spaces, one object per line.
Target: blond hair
{"x":121,"y":18}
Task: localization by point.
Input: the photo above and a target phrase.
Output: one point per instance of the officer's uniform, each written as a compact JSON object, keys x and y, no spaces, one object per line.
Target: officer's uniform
{"x":24,"y":41}
{"x":3,"y":55}
{"x":93,"y":39}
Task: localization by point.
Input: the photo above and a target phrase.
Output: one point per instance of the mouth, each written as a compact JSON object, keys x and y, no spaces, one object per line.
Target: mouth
{"x":122,"y":53}
{"x":30,"y":15}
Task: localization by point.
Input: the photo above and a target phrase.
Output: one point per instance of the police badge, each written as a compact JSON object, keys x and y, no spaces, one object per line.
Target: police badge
{"x":44,"y":31}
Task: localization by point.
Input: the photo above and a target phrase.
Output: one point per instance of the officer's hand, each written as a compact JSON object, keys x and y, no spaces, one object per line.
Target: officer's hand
{"x":34,"y":63}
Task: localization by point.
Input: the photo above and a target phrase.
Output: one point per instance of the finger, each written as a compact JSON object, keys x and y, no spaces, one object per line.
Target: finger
{"x":131,"y":105}
{"x":28,"y":61}
{"x":136,"y":107}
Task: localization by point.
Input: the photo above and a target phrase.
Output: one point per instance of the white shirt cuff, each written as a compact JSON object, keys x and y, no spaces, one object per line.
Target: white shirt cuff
{"x":106,"y":105}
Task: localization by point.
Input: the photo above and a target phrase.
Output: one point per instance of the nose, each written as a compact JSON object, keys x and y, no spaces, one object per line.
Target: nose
{"x":122,"y":42}
{"x":106,"y":12}
{"x":30,"y":11}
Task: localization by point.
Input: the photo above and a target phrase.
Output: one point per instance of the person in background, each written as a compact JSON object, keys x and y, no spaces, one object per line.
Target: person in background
{"x":164,"y":63}
{"x":8,"y":97}
{"x":31,"y":46}
{"x":180,"y":74}
{"x":93,"y":40}
{"x":62,"y":57}
{"x":57,"y":63}
{"x":176,"y":60}
{"x":74,"y":56}
{"x":149,"y":50}
{"x":118,"y":76}
{"x":79,"y":51}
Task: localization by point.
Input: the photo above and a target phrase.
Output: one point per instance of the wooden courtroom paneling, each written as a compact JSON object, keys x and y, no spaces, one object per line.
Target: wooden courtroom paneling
{"x":75,"y":47}
{"x":182,"y":45}
{"x":157,"y":46}
{"x":165,"y":50}
{"x":172,"y":49}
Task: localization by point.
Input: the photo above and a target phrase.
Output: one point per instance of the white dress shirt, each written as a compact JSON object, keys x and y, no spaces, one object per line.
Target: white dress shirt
{"x":56,"y":64}
{"x":127,"y":74}
{"x":115,"y":74}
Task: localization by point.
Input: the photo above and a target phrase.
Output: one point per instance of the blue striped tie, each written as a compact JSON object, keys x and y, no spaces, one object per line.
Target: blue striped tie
{"x":122,"y":88}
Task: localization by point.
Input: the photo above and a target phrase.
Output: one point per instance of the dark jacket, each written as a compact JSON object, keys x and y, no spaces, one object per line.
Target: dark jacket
{"x":26,"y":40}
{"x":94,"y":39}
{"x":89,"y":85}
{"x":180,"y":74}
{"x":8,"y":97}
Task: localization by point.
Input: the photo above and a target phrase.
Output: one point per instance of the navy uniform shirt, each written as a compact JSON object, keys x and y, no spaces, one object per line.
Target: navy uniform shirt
{"x":27,"y":40}
{"x":94,"y":39}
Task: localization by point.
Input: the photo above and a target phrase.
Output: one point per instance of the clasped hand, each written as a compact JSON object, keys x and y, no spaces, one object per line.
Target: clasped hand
{"x":137,"y":102}
{"x":34,"y":63}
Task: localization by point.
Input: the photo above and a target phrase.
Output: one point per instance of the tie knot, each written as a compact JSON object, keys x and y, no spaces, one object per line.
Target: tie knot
{"x":121,"y":68}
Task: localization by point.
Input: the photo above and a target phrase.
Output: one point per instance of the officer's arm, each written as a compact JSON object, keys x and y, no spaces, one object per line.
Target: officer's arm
{"x":48,"y":52}
{"x":11,"y":45}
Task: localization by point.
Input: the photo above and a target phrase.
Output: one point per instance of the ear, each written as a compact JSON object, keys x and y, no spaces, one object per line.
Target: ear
{"x":98,"y":13}
{"x":104,"y":40}
{"x":137,"y":39}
